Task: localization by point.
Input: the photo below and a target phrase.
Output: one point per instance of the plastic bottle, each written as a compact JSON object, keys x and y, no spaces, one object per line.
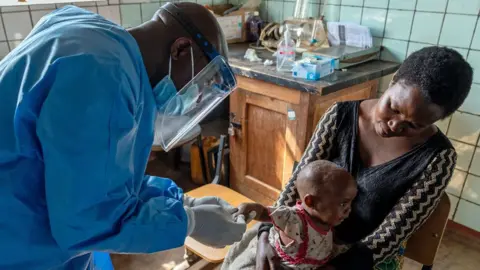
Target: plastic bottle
{"x":286,"y":53}
{"x":254,"y":26}
{"x":300,"y":11}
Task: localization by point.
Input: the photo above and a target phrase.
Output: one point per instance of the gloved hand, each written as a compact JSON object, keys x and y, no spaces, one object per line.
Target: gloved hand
{"x":214,"y":226}
{"x":192,"y":202}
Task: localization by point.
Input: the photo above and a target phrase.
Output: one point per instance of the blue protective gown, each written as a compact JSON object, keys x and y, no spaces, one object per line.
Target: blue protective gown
{"x":76,"y":127}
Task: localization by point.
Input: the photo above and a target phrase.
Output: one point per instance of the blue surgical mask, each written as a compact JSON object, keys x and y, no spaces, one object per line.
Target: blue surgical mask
{"x":166,"y":89}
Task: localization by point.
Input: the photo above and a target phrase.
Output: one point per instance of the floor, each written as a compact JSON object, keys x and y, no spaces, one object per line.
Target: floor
{"x":458,"y":250}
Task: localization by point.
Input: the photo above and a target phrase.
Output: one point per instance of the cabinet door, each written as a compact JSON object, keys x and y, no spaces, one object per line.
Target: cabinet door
{"x":263,"y":151}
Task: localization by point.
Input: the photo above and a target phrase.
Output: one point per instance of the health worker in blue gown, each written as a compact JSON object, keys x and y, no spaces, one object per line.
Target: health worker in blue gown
{"x":78,"y":101}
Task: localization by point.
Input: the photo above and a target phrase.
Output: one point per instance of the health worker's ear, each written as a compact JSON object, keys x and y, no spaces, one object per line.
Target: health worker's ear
{"x":180,"y":48}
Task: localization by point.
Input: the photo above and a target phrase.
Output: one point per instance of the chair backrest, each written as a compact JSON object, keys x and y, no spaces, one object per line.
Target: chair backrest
{"x":424,"y":243}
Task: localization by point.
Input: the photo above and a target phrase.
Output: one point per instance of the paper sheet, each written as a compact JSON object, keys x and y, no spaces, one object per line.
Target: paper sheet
{"x":349,"y":34}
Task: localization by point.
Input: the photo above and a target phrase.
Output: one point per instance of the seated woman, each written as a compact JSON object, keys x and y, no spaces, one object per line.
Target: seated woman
{"x":400,"y":160}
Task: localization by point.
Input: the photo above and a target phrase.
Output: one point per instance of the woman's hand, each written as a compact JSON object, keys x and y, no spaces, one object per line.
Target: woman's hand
{"x":267,"y":259}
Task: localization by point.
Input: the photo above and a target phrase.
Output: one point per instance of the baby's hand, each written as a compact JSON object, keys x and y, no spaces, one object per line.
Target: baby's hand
{"x":250,"y":211}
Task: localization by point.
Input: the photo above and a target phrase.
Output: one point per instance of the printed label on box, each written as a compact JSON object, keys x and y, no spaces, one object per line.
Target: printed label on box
{"x":231,"y":26}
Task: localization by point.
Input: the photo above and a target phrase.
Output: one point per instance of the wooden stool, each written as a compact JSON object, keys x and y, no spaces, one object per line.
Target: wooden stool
{"x":214,"y":255}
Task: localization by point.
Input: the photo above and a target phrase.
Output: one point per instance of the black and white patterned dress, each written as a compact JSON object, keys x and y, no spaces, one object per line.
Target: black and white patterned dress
{"x":394,"y":198}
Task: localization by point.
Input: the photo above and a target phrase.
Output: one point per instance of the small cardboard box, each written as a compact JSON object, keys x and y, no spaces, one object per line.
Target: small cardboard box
{"x":233,"y":24}
{"x":313,"y":70}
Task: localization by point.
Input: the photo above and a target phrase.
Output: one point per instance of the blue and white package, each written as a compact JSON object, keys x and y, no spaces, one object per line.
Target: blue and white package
{"x":313,"y":68}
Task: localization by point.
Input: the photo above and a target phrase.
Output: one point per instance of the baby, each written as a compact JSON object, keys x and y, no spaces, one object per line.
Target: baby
{"x":302,"y":235}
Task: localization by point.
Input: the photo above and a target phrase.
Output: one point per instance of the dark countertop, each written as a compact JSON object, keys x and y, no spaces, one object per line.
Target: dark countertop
{"x":331,"y":83}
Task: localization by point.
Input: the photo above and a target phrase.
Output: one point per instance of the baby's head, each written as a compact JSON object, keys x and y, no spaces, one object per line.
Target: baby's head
{"x":326,"y":191}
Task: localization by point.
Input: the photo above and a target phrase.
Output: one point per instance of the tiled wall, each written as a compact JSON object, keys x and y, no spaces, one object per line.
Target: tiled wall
{"x":402,"y":26}
{"x":16,"y":22}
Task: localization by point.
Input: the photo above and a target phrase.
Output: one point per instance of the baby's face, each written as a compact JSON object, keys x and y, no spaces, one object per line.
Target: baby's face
{"x":333,"y":207}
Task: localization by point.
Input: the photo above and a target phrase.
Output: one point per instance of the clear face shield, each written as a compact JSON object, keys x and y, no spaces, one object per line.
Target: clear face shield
{"x":182,"y":113}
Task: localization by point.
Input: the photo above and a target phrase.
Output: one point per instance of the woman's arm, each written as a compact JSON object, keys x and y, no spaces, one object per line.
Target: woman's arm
{"x":320,"y":147}
{"x":413,"y":209}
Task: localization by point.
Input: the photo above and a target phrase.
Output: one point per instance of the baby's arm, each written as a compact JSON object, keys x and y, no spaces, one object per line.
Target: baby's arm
{"x":261,"y":211}
{"x":284,"y":218}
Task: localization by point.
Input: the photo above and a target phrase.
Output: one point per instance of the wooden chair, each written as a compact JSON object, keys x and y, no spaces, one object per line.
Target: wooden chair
{"x":214,"y":255}
{"x":423,"y":245}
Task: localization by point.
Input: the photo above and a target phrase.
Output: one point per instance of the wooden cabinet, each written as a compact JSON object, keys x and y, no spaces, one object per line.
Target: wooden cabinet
{"x":276,"y":124}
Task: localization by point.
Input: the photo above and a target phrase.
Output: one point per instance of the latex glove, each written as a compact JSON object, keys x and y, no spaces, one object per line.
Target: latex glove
{"x":214,"y":226}
{"x":192,"y":202}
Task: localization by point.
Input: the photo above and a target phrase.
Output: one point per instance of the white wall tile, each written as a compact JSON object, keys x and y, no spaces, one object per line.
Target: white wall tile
{"x":131,"y":15}
{"x":444,"y":124}
{"x":38,"y":14}
{"x":464,"y":155}
{"x":416,"y":46}
{"x":62,"y":5}
{"x":376,"y":3}
{"x":464,"y":127}
{"x":463,"y":6}
{"x":462,"y":51}
{"x":451,"y":36}
{"x":352,"y":2}
{"x":111,"y":13}
{"x":133,"y":1}
{"x":42,"y":7}
{"x":468,"y":214}
{"x":471,"y":191}
{"x":14,"y":44}
{"x":453,"y":205}
{"x":472,"y":102}
{"x":85,"y":4}
{"x":3,"y":49}
{"x":395,"y":50}
{"x":475,"y":167}
{"x":403,"y":4}
{"x":432,"y":5}
{"x":474,"y":60}
{"x":14,"y":8}
{"x":2,"y":30}
{"x":18,"y":25}
{"x":456,"y":183}
{"x":92,"y":9}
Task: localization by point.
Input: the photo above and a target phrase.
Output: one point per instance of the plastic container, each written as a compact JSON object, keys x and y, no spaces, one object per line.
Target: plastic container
{"x":254,"y":26}
{"x":286,"y":53}
{"x":314,"y":68}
